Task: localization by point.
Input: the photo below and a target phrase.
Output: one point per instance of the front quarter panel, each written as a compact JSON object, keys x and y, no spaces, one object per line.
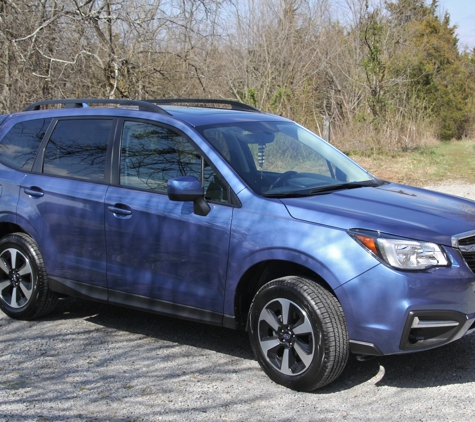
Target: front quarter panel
{"x":263,"y":230}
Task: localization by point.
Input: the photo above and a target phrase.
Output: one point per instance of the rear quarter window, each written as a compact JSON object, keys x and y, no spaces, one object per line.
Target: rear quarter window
{"x":19,"y":146}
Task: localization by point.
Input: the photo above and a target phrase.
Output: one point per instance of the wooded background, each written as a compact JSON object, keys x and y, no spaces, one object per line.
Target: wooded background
{"x":388,"y":74}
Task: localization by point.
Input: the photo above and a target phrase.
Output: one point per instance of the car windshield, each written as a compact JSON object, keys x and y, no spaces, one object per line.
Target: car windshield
{"x":283,"y":159}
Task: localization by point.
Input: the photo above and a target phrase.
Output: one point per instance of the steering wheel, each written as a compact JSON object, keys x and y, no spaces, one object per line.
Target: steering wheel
{"x":282,"y":179}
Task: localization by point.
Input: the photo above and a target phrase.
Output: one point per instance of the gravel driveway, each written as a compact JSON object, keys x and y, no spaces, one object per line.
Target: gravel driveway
{"x":95,"y":362}
{"x":464,"y":190}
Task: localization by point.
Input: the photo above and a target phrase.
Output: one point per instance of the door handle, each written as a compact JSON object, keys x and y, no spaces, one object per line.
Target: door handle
{"x":34,"y":191}
{"x":119,"y":210}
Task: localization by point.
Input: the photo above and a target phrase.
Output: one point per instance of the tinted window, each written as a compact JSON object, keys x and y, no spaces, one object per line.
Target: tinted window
{"x":77,"y":148}
{"x":18,"y":148}
{"x":151,"y":155}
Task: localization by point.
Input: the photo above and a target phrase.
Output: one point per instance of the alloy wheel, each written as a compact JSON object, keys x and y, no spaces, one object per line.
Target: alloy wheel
{"x":286,"y":336}
{"x":16,"y":278}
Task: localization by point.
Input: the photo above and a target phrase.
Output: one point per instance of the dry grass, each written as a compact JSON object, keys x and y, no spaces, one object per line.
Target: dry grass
{"x":445,"y":161}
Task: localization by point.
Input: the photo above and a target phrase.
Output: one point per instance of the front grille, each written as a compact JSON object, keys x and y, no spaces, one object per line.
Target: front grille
{"x":470,"y":260}
{"x":467,"y":246}
{"x":467,"y":241}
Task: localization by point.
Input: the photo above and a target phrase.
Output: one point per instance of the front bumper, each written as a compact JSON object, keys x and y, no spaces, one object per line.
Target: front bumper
{"x":427,"y":329}
{"x":389,"y":312}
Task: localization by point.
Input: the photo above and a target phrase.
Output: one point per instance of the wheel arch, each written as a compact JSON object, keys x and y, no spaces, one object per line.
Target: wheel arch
{"x":7,"y":228}
{"x":262,"y":273}
{"x":17,"y":223}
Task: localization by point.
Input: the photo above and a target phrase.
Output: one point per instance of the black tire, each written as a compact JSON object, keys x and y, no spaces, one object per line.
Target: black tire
{"x":24,"y":292}
{"x":298,"y":333}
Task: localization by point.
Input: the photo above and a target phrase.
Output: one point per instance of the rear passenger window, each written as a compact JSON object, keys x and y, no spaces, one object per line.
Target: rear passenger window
{"x":77,"y":148}
{"x":20,"y":145}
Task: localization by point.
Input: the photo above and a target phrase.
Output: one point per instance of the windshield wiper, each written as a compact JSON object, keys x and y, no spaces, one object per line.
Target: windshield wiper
{"x":288,"y":194}
{"x":347,"y":185}
{"x":323,"y":189}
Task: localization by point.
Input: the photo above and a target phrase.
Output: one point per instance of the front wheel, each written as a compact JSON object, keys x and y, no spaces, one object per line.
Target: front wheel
{"x":298,"y":333}
{"x":24,"y":292}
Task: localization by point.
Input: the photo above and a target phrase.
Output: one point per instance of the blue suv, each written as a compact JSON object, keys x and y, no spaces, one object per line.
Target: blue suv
{"x":213,"y":211}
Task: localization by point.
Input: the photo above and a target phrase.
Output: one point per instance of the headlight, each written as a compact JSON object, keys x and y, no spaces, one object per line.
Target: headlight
{"x":401,"y":253}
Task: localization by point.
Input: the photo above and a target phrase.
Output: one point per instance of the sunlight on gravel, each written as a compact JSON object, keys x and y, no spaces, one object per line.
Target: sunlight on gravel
{"x":464,"y":190}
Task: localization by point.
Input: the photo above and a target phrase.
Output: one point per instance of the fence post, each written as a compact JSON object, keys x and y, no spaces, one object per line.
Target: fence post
{"x":326,"y":128}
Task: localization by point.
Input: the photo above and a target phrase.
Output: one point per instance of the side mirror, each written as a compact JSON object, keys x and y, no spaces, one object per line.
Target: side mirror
{"x":188,"y":188}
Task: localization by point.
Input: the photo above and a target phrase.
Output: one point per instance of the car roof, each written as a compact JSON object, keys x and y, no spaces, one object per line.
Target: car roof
{"x":198,"y":112}
{"x":203,"y":116}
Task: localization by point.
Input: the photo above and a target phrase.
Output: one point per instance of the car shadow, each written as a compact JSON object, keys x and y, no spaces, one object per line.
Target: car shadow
{"x":447,"y":365}
{"x":156,"y":326}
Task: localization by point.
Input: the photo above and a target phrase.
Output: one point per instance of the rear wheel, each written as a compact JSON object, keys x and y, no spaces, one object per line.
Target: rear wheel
{"x":24,"y":292}
{"x":298,"y":333}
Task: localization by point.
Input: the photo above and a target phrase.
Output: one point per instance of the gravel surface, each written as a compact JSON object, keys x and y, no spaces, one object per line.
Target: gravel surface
{"x":95,"y":362}
{"x":464,"y":190}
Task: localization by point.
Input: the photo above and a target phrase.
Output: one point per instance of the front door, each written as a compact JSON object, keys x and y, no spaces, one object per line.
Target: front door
{"x":158,"y":250}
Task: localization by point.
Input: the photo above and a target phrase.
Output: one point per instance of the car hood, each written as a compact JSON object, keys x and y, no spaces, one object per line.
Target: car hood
{"x":395,"y":209}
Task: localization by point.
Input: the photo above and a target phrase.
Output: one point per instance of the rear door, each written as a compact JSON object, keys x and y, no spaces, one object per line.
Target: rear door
{"x":63,"y":199}
{"x":158,"y":250}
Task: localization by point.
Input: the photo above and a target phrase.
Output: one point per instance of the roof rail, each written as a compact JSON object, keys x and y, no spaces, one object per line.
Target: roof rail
{"x":84,"y":102}
{"x":235,"y":105}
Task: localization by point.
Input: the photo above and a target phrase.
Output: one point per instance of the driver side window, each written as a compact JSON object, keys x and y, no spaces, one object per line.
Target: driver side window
{"x":152,"y":154}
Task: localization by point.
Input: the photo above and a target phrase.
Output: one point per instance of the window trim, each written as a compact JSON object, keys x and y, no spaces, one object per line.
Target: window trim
{"x":40,"y":144}
{"x":116,"y":160}
{"x":40,"y":156}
